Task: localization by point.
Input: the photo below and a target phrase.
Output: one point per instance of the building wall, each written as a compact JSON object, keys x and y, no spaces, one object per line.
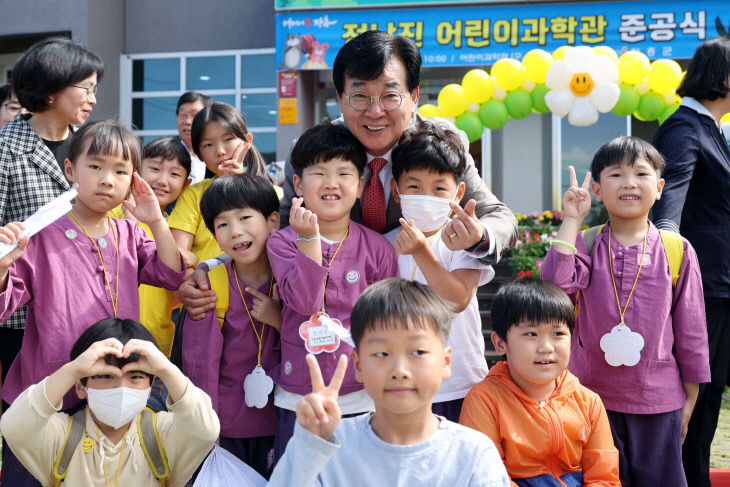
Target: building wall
{"x":38,"y":16}
{"x":194,"y":25}
{"x":106,"y":40}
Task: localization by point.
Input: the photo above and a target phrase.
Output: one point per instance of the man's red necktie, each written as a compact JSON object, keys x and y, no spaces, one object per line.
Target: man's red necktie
{"x":373,"y":198}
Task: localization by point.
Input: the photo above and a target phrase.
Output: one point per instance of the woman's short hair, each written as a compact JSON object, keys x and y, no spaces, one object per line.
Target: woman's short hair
{"x":50,"y":66}
{"x":708,"y":71}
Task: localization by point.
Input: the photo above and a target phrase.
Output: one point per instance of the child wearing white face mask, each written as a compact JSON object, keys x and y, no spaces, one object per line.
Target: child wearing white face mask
{"x":427,"y":168}
{"x":112,"y":366}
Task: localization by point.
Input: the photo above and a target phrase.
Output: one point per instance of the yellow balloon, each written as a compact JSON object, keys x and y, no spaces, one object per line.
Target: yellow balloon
{"x":452,"y":100}
{"x":664,"y":76}
{"x":633,"y":67}
{"x":559,"y":53}
{"x":508,"y":73}
{"x":607,"y":51}
{"x":428,"y":110}
{"x":478,"y":86}
{"x":725,"y":118}
{"x":536,"y":63}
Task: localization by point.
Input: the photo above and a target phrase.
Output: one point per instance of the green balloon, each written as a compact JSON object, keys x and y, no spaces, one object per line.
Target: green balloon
{"x":538,"y":98}
{"x":470,"y":123}
{"x":638,"y":116}
{"x":518,"y":103}
{"x":628,"y":100}
{"x":667,"y":112}
{"x":493,"y":114}
{"x":650,"y":106}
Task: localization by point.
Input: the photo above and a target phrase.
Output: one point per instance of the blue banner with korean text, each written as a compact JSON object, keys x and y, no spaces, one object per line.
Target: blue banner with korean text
{"x":480,"y":35}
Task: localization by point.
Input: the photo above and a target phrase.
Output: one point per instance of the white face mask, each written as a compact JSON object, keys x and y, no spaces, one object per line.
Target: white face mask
{"x":427,"y":212}
{"x":118,"y":406}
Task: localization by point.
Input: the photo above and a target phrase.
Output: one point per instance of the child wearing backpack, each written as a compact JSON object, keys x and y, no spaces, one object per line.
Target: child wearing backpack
{"x":640,"y":339}
{"x":113,"y":440}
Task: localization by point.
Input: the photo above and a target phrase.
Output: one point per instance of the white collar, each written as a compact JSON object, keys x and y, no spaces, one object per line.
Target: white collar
{"x":695,"y":105}
{"x":387,"y":156}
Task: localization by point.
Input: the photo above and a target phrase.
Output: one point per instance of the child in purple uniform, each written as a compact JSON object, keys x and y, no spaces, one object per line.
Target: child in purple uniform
{"x":234,"y":362}
{"x":322,"y":262}
{"x":640,"y":342}
{"x":85,"y":266}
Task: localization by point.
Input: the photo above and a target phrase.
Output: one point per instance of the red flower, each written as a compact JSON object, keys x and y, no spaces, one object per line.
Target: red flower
{"x":520,"y":274}
{"x":528,"y":273}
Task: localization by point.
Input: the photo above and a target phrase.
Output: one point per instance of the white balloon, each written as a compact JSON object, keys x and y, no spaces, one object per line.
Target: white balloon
{"x":605,"y":96}
{"x":580,"y":58}
{"x":559,"y":101}
{"x":583,"y":112}
{"x":558,"y":76}
{"x":528,"y":85}
{"x":603,"y":70}
{"x":499,"y":93}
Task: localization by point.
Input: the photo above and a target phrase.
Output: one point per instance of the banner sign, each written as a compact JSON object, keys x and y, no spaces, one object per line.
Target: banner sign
{"x":330,"y":4}
{"x":469,"y":35}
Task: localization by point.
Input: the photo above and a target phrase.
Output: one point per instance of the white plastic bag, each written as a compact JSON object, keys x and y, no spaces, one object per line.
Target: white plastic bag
{"x":223,"y":469}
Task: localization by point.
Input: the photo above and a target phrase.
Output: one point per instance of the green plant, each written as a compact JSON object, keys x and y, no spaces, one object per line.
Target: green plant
{"x":533,"y":240}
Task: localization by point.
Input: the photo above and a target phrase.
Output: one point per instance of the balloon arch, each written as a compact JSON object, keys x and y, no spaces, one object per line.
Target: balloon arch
{"x":577,"y":82}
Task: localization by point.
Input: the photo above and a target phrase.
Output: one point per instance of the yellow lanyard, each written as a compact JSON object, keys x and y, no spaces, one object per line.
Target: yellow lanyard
{"x":347,"y":232}
{"x":115,"y":300}
{"x":103,"y":466}
{"x":613,"y":279}
{"x":259,"y":336}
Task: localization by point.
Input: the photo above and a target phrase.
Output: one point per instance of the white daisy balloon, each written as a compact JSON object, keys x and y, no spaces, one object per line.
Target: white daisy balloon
{"x":581,"y":85}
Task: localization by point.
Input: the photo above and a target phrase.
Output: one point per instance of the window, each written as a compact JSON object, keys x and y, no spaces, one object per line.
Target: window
{"x":246,"y":79}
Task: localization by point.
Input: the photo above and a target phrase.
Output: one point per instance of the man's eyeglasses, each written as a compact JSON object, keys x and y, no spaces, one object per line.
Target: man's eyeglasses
{"x":361,"y":101}
{"x":90,"y":90}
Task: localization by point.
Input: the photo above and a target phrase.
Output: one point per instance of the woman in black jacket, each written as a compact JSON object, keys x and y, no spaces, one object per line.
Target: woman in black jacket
{"x":696,"y":203}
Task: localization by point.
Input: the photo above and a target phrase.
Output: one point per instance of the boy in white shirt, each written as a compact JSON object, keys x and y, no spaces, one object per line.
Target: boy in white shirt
{"x":428,"y":165}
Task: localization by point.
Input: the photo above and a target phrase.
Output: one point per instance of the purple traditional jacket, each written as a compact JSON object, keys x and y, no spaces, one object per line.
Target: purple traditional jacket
{"x":60,"y":279}
{"x":671,"y":321}
{"x":218,"y":360}
{"x":364,"y":258}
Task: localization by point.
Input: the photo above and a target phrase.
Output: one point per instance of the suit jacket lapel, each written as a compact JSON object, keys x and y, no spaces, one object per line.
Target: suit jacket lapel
{"x":24,"y":140}
{"x":718,"y":138}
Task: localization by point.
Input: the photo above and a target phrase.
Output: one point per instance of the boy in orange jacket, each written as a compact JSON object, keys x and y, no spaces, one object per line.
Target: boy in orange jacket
{"x":549,"y":429}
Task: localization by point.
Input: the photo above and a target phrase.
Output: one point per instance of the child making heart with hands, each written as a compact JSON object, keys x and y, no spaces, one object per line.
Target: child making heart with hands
{"x":113,"y":364}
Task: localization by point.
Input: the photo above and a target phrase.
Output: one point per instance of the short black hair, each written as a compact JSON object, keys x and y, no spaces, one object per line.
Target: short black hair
{"x":365,"y":56}
{"x":168,"y":148}
{"x":113,"y":327}
{"x":325,"y":142}
{"x":708,"y":71}
{"x":192,"y":97}
{"x":533,"y":300}
{"x":50,"y":66}
{"x":430,"y":147}
{"x":6,"y":90}
{"x":399,"y":303}
{"x":107,"y":137}
{"x":625,"y":150}
{"x":231,"y":120}
{"x":237,"y":191}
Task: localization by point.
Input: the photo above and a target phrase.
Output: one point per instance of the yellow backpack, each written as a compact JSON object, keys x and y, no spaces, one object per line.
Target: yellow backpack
{"x":149,"y":440}
{"x":671,"y":241}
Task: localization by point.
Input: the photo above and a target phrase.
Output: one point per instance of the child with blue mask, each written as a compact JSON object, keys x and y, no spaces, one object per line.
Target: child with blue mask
{"x":428,"y":165}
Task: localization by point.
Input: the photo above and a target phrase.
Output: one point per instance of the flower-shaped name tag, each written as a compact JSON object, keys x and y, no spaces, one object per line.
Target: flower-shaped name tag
{"x":256,"y":388}
{"x":319,"y":333}
{"x":622,"y":346}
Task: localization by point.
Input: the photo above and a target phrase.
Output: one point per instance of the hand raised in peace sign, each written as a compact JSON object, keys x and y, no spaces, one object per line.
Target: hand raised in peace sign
{"x":577,"y":199}
{"x":319,"y":411}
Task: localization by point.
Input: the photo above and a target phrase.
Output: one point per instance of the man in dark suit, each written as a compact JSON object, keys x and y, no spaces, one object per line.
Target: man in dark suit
{"x":696,"y":203}
{"x":377,"y":78}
